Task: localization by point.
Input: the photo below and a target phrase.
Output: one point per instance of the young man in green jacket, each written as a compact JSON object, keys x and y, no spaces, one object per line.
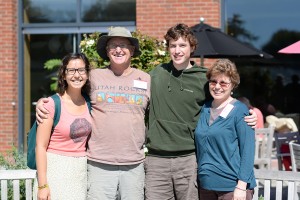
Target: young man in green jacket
{"x":178,"y":90}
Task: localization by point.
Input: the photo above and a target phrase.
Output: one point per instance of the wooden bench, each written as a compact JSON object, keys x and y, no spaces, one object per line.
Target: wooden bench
{"x":263,"y":147}
{"x":17,"y":175}
{"x":264,"y":180}
{"x":282,"y":141}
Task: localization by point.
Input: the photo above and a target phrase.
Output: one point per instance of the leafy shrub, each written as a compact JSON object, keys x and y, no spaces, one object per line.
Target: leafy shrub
{"x":12,"y":159}
{"x":52,"y":65}
{"x":153,"y":52}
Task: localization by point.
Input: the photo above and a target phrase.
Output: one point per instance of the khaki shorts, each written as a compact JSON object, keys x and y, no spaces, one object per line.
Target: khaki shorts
{"x":167,"y":178}
{"x":111,"y":182}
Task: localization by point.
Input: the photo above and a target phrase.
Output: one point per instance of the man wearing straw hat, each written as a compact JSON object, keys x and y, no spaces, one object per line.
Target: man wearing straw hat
{"x":120,"y":96}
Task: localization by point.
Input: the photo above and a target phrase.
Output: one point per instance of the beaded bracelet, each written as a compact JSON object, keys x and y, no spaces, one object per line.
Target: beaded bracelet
{"x":43,"y":186}
{"x":241,"y":189}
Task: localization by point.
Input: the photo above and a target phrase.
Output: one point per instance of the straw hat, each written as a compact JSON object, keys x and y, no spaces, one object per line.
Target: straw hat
{"x":117,"y":32}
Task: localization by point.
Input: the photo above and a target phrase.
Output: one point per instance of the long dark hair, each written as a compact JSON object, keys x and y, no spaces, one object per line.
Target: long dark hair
{"x":62,"y":83}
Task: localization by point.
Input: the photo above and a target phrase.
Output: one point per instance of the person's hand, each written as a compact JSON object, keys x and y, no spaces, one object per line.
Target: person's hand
{"x":239,"y":194}
{"x":251,"y":119}
{"x":41,"y":111}
{"x":44,"y":194}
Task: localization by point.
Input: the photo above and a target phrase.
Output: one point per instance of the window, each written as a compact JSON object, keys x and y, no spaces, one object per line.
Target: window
{"x":108,"y":10}
{"x":54,"y":11}
{"x":50,"y":30}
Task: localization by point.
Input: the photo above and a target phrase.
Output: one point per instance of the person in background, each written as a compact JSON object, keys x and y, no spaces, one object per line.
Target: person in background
{"x":177,"y":95}
{"x":120,"y":96}
{"x":225,"y":144}
{"x":61,"y":156}
{"x":264,"y":106}
{"x":260,"y":117}
{"x":292,"y":95}
{"x":278,"y":101}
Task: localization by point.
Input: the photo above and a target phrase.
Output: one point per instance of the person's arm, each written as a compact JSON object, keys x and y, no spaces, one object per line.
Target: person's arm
{"x":42,"y":141}
{"x":240,"y":191}
{"x":246,"y":144}
{"x":251,"y":119}
{"x":41,"y":112}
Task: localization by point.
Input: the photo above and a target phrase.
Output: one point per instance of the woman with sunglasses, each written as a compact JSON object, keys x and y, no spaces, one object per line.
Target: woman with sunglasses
{"x":224,"y":141}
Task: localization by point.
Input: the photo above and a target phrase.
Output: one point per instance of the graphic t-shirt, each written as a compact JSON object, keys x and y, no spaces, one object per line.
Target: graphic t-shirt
{"x":118,"y":108}
{"x":70,"y":134}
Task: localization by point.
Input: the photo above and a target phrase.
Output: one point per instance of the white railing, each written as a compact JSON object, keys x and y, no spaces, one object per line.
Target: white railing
{"x":16,"y":175}
{"x":266,"y":178}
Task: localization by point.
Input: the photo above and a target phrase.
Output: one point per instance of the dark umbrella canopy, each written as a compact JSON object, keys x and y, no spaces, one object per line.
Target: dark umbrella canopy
{"x":212,"y":43}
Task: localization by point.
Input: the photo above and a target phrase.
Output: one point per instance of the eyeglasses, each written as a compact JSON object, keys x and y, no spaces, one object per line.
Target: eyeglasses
{"x":72,"y":71}
{"x":122,"y":46}
{"x":223,"y":84}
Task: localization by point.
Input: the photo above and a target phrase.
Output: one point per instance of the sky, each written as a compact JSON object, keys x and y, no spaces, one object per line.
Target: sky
{"x":264,"y":17}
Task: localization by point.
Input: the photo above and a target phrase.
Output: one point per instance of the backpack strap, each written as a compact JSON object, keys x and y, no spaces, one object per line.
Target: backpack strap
{"x":88,"y":101}
{"x":31,"y":136}
{"x":57,"y":110}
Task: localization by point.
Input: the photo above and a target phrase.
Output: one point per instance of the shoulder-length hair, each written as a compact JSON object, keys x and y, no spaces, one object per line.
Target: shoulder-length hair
{"x":62,"y":83}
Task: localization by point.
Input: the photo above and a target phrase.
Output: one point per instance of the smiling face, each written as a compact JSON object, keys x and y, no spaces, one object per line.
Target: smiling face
{"x":75,"y":74}
{"x":220,"y":87}
{"x":180,"y":51}
{"x":223,"y":77}
{"x":119,"y":51}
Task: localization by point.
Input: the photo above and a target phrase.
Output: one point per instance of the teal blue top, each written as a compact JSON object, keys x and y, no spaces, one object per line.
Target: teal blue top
{"x":225,"y":149}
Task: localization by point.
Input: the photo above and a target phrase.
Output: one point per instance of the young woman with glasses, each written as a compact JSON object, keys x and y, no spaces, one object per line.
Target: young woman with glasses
{"x":61,"y":151}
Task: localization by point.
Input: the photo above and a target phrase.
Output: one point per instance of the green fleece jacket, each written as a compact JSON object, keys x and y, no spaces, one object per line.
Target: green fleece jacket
{"x":175,"y":104}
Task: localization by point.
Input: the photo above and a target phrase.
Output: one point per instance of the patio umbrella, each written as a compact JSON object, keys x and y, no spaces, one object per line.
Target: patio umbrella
{"x":213,"y":43}
{"x":291,"y":49}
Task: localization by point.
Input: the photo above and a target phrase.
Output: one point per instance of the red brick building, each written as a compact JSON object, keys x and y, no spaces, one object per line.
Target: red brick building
{"x":9,"y":76}
{"x":153,"y":17}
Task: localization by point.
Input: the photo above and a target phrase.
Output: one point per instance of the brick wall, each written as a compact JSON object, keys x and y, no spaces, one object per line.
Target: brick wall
{"x":8,"y":74}
{"x":154,"y":17}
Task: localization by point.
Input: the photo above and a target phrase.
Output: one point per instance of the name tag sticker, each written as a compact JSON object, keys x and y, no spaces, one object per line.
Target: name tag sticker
{"x":140,"y":84}
{"x":226,"y":110}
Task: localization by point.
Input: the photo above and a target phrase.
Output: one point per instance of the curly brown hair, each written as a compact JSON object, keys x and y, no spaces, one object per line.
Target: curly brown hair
{"x":226,"y":67}
{"x":62,"y":83}
{"x":181,"y":30}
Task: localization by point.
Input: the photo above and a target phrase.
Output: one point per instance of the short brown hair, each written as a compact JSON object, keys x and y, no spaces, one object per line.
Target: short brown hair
{"x":181,"y":30}
{"x":62,"y":83}
{"x":226,"y":67}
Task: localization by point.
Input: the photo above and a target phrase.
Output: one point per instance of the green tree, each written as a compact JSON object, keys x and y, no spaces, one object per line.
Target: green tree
{"x":235,"y":28}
